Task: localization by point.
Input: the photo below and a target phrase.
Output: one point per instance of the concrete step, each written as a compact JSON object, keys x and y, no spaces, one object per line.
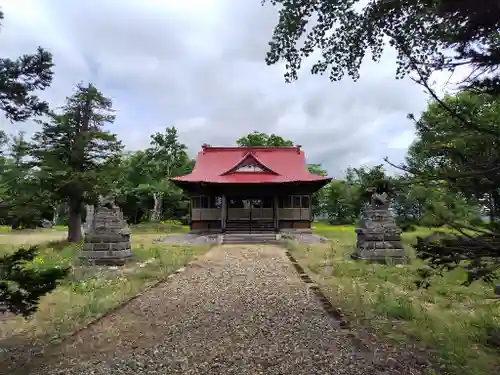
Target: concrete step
{"x":248,"y":227}
{"x":253,"y":231}
{"x":249,"y":223}
{"x":247,"y":238}
{"x":247,"y":242}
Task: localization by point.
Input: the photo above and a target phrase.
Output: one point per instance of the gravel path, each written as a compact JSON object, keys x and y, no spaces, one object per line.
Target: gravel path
{"x":238,"y":310}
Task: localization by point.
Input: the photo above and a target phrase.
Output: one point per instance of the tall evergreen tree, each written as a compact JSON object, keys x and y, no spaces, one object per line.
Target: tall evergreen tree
{"x":26,"y":199}
{"x":76,"y":156}
{"x":21,"y":287}
{"x":20,"y":79}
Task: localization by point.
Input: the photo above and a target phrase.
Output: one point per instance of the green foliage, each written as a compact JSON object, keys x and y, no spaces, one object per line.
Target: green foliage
{"x":258,"y":139}
{"x":22,"y":198}
{"x":427,"y":35}
{"x":21,"y":286}
{"x":318,"y":198}
{"x":76,"y":157}
{"x":25,"y":201}
{"x":467,"y":157}
{"x":458,"y":136}
{"x":147,"y":174}
{"x":462,"y":163}
{"x":317,"y":169}
{"x":20,"y":79}
{"x":342,"y":202}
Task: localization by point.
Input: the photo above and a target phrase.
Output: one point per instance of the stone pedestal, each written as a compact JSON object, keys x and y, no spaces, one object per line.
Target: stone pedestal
{"x":89,"y":217}
{"x":379,"y":238}
{"x":107,"y":240}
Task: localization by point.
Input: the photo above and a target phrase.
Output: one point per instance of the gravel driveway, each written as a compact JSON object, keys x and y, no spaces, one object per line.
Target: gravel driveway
{"x":237,"y":310}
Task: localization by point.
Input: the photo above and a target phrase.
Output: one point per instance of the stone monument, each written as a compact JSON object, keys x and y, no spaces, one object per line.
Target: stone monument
{"x":107,"y":238}
{"x":89,"y":210}
{"x":378,"y":237}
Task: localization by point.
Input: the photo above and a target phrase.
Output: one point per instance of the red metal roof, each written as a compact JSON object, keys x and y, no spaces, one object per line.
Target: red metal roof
{"x":218,"y":164}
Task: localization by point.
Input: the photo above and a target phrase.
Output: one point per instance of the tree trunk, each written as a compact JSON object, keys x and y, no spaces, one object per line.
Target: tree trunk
{"x":55,"y":216}
{"x":75,"y":223}
{"x":15,"y":225}
{"x":158,"y":206}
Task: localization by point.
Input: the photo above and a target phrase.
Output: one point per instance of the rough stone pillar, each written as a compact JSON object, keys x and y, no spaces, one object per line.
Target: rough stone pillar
{"x":378,"y":237}
{"x":107,"y":242}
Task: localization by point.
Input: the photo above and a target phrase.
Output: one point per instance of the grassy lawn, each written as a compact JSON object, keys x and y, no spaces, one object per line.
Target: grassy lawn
{"x":89,"y":291}
{"x":450,"y":319}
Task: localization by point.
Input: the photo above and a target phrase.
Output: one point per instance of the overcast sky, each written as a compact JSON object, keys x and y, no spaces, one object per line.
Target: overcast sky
{"x":199,"y":65}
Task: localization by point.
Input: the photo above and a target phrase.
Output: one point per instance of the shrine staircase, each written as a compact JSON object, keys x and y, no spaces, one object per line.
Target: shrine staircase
{"x":249,"y":232}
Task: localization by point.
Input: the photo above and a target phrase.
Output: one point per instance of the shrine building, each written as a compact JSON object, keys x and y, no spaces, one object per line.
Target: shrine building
{"x":250,"y":189}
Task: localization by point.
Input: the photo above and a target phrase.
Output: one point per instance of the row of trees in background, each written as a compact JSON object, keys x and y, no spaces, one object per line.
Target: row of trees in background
{"x":73,"y":160}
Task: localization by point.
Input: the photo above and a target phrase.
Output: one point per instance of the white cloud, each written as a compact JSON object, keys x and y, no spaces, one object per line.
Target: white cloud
{"x":199,"y":65}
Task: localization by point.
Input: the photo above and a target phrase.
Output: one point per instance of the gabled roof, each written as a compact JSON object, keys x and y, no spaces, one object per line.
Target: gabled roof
{"x":249,"y":158}
{"x":219,"y":164}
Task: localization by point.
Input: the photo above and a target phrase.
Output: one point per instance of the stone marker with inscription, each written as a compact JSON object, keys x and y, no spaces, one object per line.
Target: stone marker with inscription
{"x":378,"y":237}
{"x":107,"y":239}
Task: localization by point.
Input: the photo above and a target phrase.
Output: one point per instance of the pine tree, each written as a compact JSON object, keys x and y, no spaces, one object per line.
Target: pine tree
{"x":76,"y":155}
{"x":22,"y":287}
{"x":31,"y":284}
{"x":27,"y":200}
{"x":19,"y":79}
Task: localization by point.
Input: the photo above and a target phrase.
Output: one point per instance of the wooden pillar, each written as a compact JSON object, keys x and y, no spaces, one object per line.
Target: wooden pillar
{"x":276,"y":211}
{"x":310,"y":211}
{"x":223,"y":216}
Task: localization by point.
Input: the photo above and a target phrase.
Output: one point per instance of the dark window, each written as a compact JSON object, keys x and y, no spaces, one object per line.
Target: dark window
{"x":214,"y":201}
{"x":296,"y":201}
{"x":286,"y":202}
{"x":204,"y":202}
{"x":236,"y":203}
{"x":195,"y":202}
{"x":267,"y":202}
{"x":305,"y":201}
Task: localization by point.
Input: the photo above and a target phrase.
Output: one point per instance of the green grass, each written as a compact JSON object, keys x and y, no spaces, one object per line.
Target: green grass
{"x":89,"y":292}
{"x":451,"y":319}
{"x":165,"y":227}
{"x":8,"y":229}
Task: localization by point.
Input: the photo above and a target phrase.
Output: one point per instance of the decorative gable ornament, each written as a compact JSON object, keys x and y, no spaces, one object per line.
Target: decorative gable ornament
{"x":250,"y":168}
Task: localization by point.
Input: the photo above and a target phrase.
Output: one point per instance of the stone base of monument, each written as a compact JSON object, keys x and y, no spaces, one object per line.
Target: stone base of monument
{"x":382,"y":256}
{"x":107,"y":241}
{"x":106,"y":250}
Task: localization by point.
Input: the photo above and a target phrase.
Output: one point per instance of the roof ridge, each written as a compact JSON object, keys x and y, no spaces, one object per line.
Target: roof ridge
{"x":206,"y":147}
